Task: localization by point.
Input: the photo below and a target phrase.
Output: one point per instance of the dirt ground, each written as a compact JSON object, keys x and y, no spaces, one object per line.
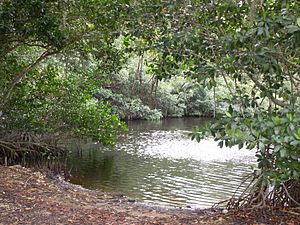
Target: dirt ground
{"x":30,"y":197}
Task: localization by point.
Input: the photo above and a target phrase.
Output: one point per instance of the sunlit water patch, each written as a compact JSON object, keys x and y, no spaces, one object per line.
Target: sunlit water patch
{"x":177,"y":145}
{"x":157,"y":163}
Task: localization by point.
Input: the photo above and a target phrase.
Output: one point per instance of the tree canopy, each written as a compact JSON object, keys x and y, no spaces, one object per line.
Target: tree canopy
{"x":55,"y":55}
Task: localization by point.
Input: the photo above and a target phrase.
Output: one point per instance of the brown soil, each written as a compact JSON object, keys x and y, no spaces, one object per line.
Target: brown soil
{"x":30,"y":197}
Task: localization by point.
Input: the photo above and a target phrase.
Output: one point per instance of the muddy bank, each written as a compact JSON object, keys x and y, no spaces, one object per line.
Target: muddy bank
{"x":30,"y":197}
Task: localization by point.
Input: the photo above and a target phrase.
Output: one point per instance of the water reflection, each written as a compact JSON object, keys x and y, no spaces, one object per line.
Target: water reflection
{"x":157,"y":163}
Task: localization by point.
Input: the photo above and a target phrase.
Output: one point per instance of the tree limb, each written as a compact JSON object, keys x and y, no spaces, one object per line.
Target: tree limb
{"x":263,"y":88}
{"x":23,"y":72}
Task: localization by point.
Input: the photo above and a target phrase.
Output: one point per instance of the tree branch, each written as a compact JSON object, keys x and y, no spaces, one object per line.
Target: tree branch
{"x":263,"y":88}
{"x":23,"y":72}
{"x":226,"y":83}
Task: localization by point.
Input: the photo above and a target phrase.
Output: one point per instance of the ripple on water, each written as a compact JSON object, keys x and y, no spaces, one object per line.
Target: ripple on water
{"x":164,"y":167}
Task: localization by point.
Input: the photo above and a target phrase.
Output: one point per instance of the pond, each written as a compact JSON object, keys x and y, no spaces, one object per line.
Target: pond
{"x":157,"y":163}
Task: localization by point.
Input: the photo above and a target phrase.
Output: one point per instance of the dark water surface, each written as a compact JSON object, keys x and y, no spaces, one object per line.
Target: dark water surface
{"x":155,"y":162}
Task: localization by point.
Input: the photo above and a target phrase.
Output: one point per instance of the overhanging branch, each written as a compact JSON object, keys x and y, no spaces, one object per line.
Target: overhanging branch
{"x":23,"y":72}
{"x":263,"y":88}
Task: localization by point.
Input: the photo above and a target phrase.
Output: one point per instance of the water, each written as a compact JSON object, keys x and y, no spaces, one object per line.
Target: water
{"x":155,"y":162}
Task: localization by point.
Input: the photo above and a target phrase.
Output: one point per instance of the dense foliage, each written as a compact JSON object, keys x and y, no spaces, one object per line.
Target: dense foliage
{"x":251,"y":48}
{"x":57,"y":56}
{"x":136,"y":94}
{"x":262,"y":49}
{"x":54,"y":55}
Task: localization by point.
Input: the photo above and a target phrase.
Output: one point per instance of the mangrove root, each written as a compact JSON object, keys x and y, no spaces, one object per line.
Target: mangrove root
{"x":258,"y":195}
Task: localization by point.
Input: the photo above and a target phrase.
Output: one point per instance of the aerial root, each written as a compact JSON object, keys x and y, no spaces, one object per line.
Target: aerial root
{"x":15,"y":148}
{"x":257,"y":195}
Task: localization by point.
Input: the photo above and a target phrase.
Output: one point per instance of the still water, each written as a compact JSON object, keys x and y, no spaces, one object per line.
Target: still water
{"x":155,"y":162}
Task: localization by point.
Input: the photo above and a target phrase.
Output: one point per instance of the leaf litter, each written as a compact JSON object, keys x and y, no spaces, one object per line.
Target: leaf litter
{"x":28,"y":196}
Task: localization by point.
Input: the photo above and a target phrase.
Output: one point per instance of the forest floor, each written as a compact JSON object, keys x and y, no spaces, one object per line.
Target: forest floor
{"x":30,"y":197}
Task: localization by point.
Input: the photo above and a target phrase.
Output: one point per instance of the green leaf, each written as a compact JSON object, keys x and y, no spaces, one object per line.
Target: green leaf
{"x":260,"y":31}
{"x":283,"y":153}
{"x":298,"y":21}
{"x":90,"y":26}
{"x":289,"y":116}
{"x":228,"y":114}
{"x":297,"y":134}
{"x":292,"y":29}
{"x":277,"y":148}
{"x":276,"y":120}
